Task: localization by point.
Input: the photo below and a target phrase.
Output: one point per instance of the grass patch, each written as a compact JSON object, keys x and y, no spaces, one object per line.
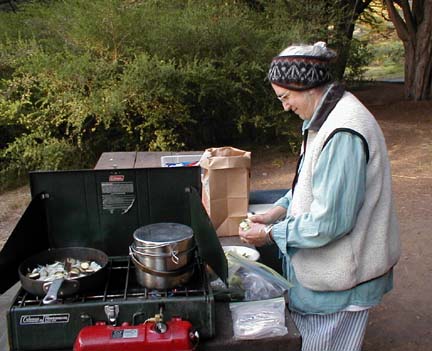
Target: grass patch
{"x":390,"y":71}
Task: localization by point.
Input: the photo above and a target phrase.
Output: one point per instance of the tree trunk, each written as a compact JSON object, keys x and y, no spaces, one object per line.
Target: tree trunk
{"x":418,"y":66}
{"x":344,"y":46}
{"x":352,"y":9}
{"x":415,"y":31}
{"x":408,"y":71}
{"x":423,"y":63}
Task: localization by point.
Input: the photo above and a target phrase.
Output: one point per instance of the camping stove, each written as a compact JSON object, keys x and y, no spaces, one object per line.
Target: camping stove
{"x":101,"y":209}
{"x":121,"y":302}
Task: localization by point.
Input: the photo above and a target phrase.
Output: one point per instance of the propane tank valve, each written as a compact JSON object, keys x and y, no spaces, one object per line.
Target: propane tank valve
{"x":160,"y":327}
{"x":194,"y":338}
{"x":112,"y":312}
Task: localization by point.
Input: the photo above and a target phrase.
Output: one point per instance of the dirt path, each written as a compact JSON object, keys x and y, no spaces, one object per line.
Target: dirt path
{"x":12,"y":205}
{"x":403,"y":321}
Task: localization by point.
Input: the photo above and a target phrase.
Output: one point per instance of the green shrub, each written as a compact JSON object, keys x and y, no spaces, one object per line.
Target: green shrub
{"x":79,"y":77}
{"x":358,"y":60}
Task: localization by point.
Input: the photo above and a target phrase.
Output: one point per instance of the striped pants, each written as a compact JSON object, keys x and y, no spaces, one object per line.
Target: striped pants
{"x":341,"y":331}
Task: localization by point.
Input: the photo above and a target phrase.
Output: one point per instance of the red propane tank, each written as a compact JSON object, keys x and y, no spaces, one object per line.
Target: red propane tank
{"x":174,"y":335}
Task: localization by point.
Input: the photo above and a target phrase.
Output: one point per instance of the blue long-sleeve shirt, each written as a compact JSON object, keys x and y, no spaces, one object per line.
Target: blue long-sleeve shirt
{"x":338,"y":188}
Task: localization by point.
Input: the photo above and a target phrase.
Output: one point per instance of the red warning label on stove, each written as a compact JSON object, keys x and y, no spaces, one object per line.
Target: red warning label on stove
{"x":116,"y":178}
{"x":45,"y":318}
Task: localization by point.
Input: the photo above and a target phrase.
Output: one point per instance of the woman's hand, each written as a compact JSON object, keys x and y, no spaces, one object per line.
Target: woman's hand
{"x":270,"y":216}
{"x":260,"y":218}
{"x":255,"y":235}
{"x":252,"y":230}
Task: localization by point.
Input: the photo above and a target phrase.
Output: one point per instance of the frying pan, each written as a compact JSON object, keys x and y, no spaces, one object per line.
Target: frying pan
{"x":62,"y":287}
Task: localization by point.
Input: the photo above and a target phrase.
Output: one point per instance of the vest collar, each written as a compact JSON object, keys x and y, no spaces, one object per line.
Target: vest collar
{"x":328,"y":101}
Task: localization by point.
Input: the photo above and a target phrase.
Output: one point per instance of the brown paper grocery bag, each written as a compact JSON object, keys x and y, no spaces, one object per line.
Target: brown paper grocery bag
{"x":226,"y":182}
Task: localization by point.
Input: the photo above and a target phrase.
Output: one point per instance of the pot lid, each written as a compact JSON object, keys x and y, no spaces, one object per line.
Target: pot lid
{"x":206,"y":238}
{"x":163,"y":233}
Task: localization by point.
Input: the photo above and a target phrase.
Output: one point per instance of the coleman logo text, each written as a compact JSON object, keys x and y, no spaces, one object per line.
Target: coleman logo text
{"x":45,"y":319}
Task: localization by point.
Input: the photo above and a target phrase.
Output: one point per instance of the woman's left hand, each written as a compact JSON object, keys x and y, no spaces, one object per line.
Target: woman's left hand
{"x":255,"y":235}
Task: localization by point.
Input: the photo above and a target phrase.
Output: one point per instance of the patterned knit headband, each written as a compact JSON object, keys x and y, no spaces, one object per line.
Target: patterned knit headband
{"x":302,"y":67}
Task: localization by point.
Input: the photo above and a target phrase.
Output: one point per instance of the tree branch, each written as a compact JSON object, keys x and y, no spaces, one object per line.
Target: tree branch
{"x":418,"y":10}
{"x":397,"y":20}
{"x":409,"y":20}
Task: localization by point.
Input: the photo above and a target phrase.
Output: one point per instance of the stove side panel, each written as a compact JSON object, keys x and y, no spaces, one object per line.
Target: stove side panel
{"x":37,"y":328}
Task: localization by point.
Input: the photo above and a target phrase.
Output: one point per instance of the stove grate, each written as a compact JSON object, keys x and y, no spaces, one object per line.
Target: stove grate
{"x":121,"y":284}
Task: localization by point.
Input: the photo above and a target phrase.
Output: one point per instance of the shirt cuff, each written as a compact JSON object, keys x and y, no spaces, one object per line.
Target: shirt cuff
{"x":279,"y":234}
{"x":283,"y":202}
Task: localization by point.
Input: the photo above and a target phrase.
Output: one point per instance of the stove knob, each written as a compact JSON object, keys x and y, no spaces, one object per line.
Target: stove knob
{"x":194,"y":338}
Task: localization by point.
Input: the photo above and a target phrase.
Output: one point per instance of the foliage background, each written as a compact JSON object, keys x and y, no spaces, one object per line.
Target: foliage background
{"x":78,"y":78}
{"x":386,"y":51}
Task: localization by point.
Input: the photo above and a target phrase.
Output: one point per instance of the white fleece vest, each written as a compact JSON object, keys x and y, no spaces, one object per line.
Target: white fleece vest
{"x":373,"y":245}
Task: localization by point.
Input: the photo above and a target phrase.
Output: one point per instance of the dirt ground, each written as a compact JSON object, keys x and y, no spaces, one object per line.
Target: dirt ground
{"x":403,"y":321}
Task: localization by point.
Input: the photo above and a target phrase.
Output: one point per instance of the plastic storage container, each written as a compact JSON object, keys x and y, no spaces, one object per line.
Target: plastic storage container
{"x":180,"y":160}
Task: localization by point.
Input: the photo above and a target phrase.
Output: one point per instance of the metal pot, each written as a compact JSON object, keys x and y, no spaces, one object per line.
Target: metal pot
{"x":62,"y":286}
{"x":160,"y":238}
{"x":162,"y":253}
{"x":163,"y":261}
{"x":161,"y":280}
{"x":163,"y":246}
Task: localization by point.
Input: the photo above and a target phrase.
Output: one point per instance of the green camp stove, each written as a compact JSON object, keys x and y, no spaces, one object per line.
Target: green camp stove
{"x":101,"y":209}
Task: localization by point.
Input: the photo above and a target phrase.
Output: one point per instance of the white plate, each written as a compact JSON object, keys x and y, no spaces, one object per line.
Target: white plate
{"x":259,"y":208}
{"x":243,"y":251}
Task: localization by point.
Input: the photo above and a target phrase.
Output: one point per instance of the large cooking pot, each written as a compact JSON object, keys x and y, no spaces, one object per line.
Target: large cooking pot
{"x":163,"y":254}
{"x":62,"y":286}
{"x":161,"y":280}
{"x":169,"y":261}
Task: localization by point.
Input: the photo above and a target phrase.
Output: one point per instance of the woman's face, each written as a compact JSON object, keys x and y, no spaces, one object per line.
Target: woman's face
{"x":302,"y":103}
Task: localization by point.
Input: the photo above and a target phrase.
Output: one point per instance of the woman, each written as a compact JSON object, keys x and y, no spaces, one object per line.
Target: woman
{"x":337,"y":226}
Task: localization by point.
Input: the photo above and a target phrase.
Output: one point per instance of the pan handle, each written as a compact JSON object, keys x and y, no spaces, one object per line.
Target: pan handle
{"x":54,"y":288}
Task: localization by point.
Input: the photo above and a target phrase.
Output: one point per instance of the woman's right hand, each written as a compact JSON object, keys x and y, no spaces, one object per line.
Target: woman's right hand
{"x":260,"y":218}
{"x":270,"y":216}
